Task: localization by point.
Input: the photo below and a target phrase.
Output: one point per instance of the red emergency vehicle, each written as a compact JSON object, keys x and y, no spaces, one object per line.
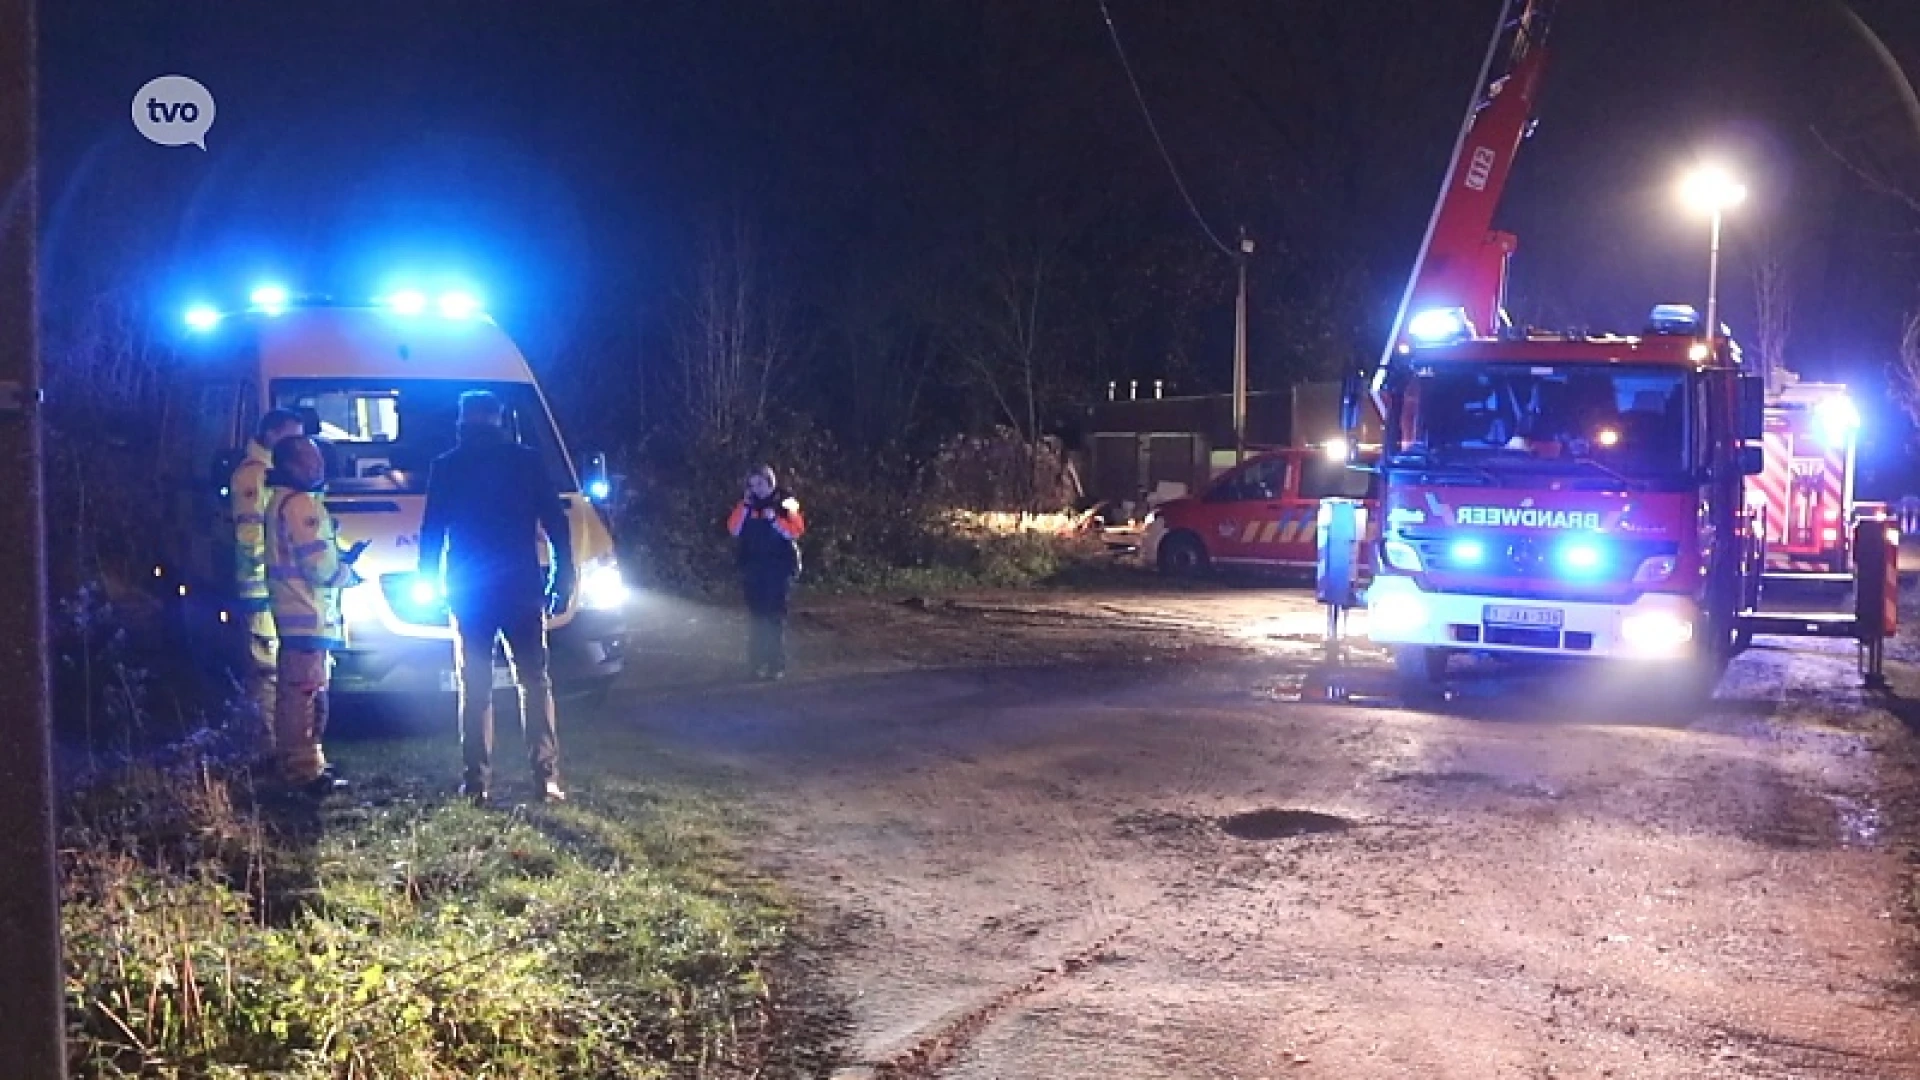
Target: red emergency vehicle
{"x":1260,"y":513}
{"x":1805,"y":493}
{"x":1552,"y":494}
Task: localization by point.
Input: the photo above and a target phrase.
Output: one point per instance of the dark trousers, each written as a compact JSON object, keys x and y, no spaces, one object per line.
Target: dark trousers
{"x":766,"y":591}
{"x":474,"y":633}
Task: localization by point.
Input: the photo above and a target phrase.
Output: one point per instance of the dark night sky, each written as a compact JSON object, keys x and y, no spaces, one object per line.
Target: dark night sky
{"x":555,"y":153}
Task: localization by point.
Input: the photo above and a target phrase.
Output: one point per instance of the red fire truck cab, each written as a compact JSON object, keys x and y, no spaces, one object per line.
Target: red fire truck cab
{"x":1562,"y":495}
{"x":1261,"y":513}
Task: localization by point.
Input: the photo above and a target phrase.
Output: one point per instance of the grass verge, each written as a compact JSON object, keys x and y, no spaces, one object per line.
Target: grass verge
{"x":213,"y":934}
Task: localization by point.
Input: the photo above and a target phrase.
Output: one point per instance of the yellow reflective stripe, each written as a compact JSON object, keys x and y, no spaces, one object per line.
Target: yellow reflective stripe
{"x":1247,"y":534}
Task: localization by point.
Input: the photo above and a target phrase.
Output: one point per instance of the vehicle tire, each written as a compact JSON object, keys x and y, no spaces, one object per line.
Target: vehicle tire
{"x":1182,"y":555}
{"x":1422,"y":671}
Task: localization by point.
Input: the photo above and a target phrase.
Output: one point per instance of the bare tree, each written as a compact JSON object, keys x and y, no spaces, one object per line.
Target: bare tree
{"x":1906,"y":368}
{"x":1773,"y":306}
{"x":732,"y":337}
{"x":1002,"y":333}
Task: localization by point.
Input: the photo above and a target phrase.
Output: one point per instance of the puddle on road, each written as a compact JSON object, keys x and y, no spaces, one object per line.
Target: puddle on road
{"x":1272,"y":824}
{"x":1523,"y":789}
{"x":1860,"y":822}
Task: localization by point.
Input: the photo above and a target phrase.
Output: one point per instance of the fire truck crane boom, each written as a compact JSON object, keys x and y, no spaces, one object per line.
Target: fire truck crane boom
{"x":1462,"y":265}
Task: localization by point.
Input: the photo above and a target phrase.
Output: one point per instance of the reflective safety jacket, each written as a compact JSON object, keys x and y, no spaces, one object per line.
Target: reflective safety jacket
{"x":769,"y":532}
{"x":305,"y":572}
{"x":247,"y":497}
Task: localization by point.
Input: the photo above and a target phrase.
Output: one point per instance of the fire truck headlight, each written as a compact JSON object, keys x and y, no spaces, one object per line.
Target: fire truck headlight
{"x":1656,"y":633}
{"x":1396,"y":613}
{"x":1402,"y":556}
{"x":1837,"y":418}
{"x":601,"y":586}
{"x":1655,"y":569}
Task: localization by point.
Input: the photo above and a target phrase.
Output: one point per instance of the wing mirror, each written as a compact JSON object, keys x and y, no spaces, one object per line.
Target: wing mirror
{"x":602,"y":488}
{"x":1753,"y":407}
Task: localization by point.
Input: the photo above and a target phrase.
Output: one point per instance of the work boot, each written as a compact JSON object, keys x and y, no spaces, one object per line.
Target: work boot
{"x":477,"y":794}
{"x":552,"y":792}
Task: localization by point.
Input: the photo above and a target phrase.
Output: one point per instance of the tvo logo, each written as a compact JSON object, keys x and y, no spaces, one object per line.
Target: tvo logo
{"x":174,"y":110}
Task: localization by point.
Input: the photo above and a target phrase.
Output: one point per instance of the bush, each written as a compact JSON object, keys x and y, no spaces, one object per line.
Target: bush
{"x":873,"y":521}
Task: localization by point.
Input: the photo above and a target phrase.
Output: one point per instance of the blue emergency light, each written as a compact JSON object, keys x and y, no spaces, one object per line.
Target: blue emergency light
{"x":1440,"y":325}
{"x":1680,"y":319}
{"x":1837,"y":418}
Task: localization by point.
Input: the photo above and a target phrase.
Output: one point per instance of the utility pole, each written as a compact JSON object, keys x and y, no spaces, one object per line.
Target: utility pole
{"x":1240,"y":355}
{"x":32,"y":1033}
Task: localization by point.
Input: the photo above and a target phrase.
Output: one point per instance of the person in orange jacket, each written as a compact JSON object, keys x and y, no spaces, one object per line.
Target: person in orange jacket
{"x":767,"y":526}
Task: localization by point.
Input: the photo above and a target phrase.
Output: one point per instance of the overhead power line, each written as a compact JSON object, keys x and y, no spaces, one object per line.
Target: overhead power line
{"x":1172,"y":170}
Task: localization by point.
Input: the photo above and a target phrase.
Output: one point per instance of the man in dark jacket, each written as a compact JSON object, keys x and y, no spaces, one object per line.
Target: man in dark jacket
{"x":768,"y":526}
{"x":488,"y":501}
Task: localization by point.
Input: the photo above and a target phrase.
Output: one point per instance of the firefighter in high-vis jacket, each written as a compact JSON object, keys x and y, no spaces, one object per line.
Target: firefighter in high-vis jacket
{"x":247,"y":506}
{"x":767,"y":525}
{"x":306,"y":569}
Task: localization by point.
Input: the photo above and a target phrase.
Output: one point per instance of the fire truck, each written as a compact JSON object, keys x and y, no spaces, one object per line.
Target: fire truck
{"x":1552,"y":494}
{"x":1804,"y":495}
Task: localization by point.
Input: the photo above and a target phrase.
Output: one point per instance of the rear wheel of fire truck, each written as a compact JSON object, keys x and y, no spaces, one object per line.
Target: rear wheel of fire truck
{"x":1422,"y":671}
{"x":1182,"y":555}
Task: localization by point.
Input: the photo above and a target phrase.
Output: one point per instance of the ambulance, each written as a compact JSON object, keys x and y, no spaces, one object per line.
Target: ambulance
{"x":377,"y":385}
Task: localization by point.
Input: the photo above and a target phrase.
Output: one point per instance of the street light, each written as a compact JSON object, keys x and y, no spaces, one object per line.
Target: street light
{"x":1240,"y":355}
{"x":1711,"y":190}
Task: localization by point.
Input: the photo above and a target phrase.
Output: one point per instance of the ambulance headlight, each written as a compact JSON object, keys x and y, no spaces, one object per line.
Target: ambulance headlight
{"x":1656,"y":633}
{"x":423,"y":593}
{"x":602,"y":588}
{"x":1396,"y":613}
{"x":1837,"y":419}
{"x":1402,"y":556}
{"x":201,"y":317}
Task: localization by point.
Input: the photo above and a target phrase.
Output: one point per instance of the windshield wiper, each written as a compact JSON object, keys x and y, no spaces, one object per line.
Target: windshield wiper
{"x":1432,"y":461}
{"x":1630,"y":482}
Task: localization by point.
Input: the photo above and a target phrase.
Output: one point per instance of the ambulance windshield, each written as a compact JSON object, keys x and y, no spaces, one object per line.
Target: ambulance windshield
{"x":380,"y":436}
{"x":1600,"y":421}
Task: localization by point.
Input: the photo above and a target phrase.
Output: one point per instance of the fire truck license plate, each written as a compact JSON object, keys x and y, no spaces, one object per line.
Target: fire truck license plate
{"x":1504,"y":615}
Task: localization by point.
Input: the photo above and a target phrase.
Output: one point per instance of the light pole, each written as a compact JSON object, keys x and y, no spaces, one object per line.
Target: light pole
{"x":1240,"y":356}
{"x":1710,"y":189}
{"x":31,"y":992}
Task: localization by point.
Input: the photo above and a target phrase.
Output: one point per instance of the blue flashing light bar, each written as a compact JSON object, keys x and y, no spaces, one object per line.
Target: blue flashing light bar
{"x":202,"y":317}
{"x":1440,"y":325}
{"x":272,"y":299}
{"x":1468,"y":552}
